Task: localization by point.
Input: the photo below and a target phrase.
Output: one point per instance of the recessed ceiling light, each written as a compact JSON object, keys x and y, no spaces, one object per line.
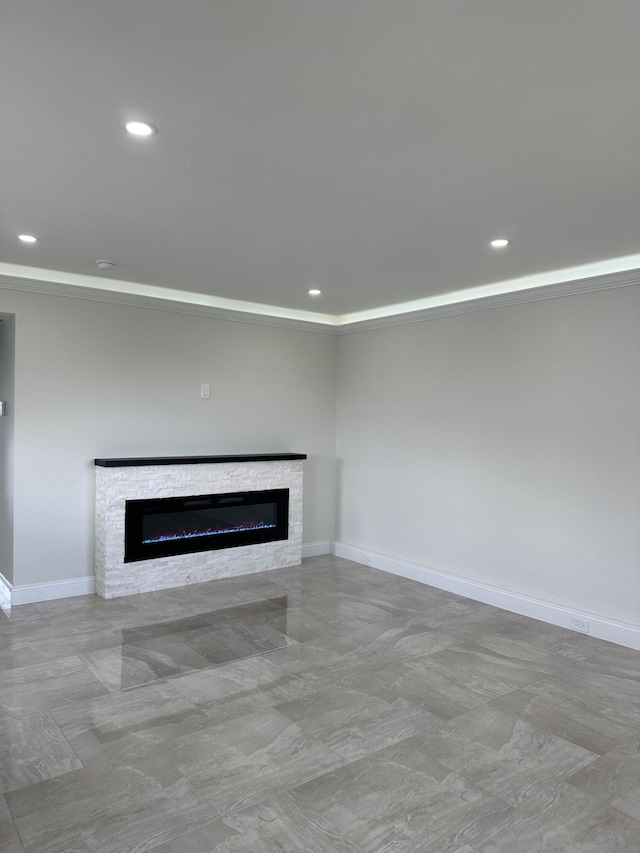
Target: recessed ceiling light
{"x":315,"y":292}
{"x":27,"y":238}
{"x":140,"y":128}
{"x":500,"y":243}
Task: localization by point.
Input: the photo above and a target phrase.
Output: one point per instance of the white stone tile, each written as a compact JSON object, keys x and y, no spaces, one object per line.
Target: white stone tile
{"x":114,"y":486}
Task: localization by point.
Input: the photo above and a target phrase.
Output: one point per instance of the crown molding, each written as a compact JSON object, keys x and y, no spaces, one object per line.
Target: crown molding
{"x":502,"y":300}
{"x":158,"y":302}
{"x":592,"y":270}
{"x":182,"y":302}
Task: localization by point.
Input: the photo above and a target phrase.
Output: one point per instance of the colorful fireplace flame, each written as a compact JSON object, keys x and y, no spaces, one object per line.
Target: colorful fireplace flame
{"x":196,"y":534}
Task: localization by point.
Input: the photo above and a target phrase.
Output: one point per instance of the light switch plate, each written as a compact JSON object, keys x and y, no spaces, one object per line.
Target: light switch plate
{"x":3,"y":408}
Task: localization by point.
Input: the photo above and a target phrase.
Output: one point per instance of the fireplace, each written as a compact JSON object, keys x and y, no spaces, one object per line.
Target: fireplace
{"x":164,"y":527}
{"x":205,"y":517}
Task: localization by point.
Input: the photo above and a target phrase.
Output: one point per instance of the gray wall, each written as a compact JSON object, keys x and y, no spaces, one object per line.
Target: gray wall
{"x":7,"y":340}
{"x":96,"y":379}
{"x":501,"y":447}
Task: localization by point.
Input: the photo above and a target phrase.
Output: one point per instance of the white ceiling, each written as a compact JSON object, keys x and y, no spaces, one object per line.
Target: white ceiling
{"x":371,"y":149}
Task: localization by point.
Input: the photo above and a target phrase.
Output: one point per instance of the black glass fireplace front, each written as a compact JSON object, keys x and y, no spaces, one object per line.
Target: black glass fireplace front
{"x":163,"y":527}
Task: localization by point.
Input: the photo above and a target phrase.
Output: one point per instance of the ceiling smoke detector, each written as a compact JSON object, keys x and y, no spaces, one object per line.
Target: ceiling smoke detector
{"x":105,"y":265}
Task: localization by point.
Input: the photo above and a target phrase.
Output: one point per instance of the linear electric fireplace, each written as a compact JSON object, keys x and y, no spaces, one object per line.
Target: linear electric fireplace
{"x":164,"y":527}
{"x":168,"y":521}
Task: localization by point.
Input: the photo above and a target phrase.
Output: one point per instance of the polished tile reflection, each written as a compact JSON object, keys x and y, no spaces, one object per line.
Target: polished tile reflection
{"x":325,"y":708}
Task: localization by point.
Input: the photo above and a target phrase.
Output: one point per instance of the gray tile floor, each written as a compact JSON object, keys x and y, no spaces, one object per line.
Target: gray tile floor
{"x":323,"y":709}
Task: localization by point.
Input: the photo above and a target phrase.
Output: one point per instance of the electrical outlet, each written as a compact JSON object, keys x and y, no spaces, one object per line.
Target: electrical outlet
{"x":577,"y":624}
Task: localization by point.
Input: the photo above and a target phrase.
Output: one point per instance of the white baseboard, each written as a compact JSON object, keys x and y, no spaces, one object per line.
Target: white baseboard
{"x":316,"y":549}
{"x":599,"y":626}
{"x":5,"y":592}
{"x":28,"y":593}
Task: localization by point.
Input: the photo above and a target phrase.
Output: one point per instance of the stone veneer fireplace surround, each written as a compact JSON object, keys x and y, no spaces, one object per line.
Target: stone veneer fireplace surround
{"x":119,"y":480}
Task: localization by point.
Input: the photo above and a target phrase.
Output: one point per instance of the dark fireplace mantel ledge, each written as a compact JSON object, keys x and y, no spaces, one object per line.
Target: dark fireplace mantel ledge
{"x":139,"y":461}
